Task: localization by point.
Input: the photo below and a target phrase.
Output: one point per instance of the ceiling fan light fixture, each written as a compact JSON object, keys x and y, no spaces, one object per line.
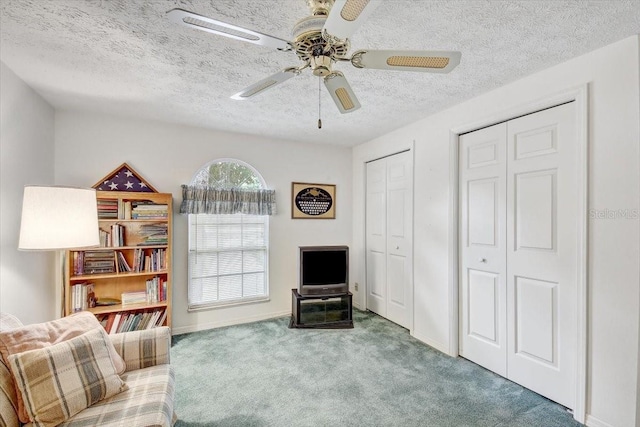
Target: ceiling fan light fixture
{"x":321,"y":65}
{"x":352,"y":9}
{"x":418,"y":61}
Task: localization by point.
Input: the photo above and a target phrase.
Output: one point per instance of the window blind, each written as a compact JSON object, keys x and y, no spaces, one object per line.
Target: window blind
{"x":228,"y":259}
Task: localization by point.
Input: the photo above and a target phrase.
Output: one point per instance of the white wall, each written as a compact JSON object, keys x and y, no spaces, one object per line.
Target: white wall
{"x":88,"y":146}
{"x":638,"y":383}
{"x":614,"y":246}
{"x":27,"y":279}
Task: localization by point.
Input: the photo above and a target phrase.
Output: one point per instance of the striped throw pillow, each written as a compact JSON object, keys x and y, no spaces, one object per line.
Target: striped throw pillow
{"x":59,"y":381}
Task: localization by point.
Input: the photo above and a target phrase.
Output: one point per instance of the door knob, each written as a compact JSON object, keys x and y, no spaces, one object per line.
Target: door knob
{"x":397,"y":247}
{"x":482,"y":259}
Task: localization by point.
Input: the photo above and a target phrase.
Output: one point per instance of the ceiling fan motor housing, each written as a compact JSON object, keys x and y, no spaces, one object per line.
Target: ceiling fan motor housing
{"x":312,"y":47}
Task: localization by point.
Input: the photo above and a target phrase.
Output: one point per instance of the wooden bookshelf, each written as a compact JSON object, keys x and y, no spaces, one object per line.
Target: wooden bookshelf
{"x":139,"y":227}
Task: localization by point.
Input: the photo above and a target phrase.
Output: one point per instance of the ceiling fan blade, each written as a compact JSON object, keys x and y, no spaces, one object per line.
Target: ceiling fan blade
{"x":341,"y":92}
{"x":199,"y":22}
{"x":347,"y":15}
{"x":430,"y":61}
{"x":265,"y":84}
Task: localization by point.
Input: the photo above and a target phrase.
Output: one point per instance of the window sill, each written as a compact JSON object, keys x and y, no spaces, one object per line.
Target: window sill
{"x":225,"y":304}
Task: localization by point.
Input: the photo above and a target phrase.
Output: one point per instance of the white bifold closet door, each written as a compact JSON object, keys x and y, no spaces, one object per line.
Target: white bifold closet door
{"x":519,"y":250}
{"x":389,"y":237}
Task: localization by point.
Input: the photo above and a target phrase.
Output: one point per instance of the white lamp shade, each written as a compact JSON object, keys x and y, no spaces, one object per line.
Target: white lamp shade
{"x":58,"y":218}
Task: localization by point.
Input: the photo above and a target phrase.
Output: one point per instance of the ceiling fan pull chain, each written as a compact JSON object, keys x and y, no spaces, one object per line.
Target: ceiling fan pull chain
{"x":319,"y":106}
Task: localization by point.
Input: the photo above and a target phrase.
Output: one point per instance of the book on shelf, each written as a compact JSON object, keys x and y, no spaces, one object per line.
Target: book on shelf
{"x":97,"y":262}
{"x":82,"y":296}
{"x":127,"y":209}
{"x":108,"y":209}
{"x":105,"y":238}
{"x":127,"y":321}
{"x":133,"y":297}
{"x":78,"y":263}
{"x":155,"y":260}
{"x":117,"y":235}
{"x":93,"y":262}
{"x":154,"y":319}
{"x":116,"y":322}
{"x":155,"y":234}
{"x":123,"y":265}
{"x":108,"y":321}
{"x":113,"y":237}
{"x":138,"y":260}
{"x":160,"y":322}
{"x":146,"y":209}
{"x":149,"y":319}
{"x":156,"y":290}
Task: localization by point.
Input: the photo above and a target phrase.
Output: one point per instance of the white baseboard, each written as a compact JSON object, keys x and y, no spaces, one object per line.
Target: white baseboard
{"x":356,"y":305}
{"x":222,"y":323}
{"x":444,"y":348}
{"x":594,"y":422}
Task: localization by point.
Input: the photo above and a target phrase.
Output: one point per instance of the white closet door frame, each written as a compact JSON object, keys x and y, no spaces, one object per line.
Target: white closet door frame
{"x":579,"y":95}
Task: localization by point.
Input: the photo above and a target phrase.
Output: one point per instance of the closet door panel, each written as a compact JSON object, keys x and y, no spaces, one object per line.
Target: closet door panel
{"x":482,"y":247}
{"x":542,"y":255}
{"x":376,"y":237}
{"x":400,"y":238}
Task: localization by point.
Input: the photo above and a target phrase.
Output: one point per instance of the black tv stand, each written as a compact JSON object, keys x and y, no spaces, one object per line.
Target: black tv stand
{"x":321,"y":311}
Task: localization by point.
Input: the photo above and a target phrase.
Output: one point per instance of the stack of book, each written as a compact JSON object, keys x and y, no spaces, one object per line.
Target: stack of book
{"x":145,"y":209}
{"x":107,"y":208}
{"x":133,"y":297}
{"x":156,"y":290}
{"x":82,"y":296}
{"x":94,"y":262}
{"x":127,"y":321}
{"x":154,"y":234}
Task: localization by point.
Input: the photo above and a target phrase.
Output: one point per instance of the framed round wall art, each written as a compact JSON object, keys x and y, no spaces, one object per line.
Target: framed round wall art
{"x":313,"y":201}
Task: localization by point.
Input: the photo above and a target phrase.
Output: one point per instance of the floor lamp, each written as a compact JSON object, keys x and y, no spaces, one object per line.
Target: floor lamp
{"x":59,"y":218}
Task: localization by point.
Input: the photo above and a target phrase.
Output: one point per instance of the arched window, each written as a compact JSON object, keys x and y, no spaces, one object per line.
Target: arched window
{"x":229,"y":207}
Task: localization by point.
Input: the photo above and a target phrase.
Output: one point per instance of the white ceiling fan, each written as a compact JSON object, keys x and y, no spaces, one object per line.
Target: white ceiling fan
{"x":319,"y":41}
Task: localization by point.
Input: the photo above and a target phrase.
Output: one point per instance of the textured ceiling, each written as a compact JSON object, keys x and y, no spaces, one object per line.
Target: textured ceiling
{"x":125,"y":57}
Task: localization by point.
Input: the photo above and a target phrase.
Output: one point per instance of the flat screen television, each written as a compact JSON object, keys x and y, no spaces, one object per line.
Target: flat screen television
{"x":324,"y":270}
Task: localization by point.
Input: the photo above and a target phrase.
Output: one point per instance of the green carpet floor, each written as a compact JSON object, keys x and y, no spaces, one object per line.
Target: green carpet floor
{"x":265,"y":374}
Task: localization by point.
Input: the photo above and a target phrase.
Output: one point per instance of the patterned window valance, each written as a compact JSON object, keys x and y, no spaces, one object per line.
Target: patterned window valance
{"x":208,"y":200}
